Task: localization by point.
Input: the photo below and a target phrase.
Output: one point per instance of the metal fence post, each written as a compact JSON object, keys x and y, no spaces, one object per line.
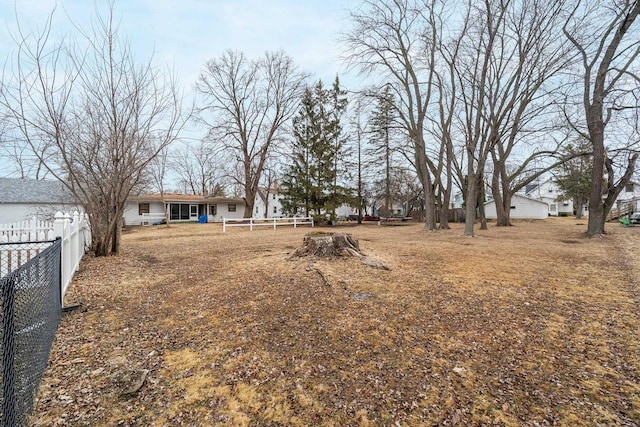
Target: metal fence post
{"x":8,"y":352}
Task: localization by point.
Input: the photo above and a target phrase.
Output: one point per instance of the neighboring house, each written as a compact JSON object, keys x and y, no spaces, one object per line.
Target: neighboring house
{"x":22,"y":199}
{"x":268,"y":203}
{"x":150,"y":208}
{"x":345,"y":210}
{"x":629,"y":198}
{"x":397,"y":209}
{"x":457,"y":200}
{"x":549,"y":192}
{"x":522,"y":207}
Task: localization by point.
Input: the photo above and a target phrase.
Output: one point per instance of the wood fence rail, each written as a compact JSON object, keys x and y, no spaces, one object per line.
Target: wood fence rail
{"x":272,"y":222}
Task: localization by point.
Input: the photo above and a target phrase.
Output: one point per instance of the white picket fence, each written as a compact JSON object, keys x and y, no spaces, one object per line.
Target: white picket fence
{"x":73,"y":230}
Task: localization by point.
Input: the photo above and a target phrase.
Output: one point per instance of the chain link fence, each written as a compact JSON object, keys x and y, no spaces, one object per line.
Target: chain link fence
{"x":30,"y":313}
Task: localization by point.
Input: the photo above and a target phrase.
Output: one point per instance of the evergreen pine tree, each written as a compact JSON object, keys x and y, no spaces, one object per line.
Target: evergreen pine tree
{"x":574,"y":178}
{"x":311,"y":179}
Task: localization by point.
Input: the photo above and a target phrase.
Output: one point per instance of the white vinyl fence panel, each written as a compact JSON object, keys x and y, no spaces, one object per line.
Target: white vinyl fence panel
{"x":72,"y":230}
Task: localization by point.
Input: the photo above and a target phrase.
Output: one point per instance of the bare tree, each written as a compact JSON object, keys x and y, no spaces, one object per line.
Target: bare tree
{"x":443,"y":126}
{"x":601,"y":33}
{"x":522,"y":97}
{"x":19,"y":156}
{"x":199,"y":169}
{"x":157,"y":170}
{"x":269,"y":183}
{"x":249,"y":102}
{"x":94,"y":116}
{"x":398,"y":40}
{"x":481,"y":29}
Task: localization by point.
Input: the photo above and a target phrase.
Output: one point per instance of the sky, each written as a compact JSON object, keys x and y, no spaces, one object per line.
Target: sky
{"x":185,"y":34}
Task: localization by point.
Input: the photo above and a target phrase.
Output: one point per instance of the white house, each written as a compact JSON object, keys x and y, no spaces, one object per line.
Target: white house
{"x":268,"y":203}
{"x":549,"y":192}
{"x":629,"y":198}
{"x":150,"y":208}
{"x":522,"y":207}
{"x":22,"y":199}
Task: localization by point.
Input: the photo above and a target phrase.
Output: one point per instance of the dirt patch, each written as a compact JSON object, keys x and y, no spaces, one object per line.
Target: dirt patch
{"x":190,"y":326}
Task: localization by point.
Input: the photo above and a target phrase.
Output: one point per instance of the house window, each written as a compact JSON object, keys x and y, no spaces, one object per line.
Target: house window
{"x":179,"y":211}
{"x":513,"y":207}
{"x":552,"y":207}
{"x":213,"y":209}
{"x":232,"y":207}
{"x":274,"y":196}
{"x":628,"y":188}
{"x":257,"y":210}
{"x":565,"y":203}
{"x":275,"y":209}
{"x":143,"y":208}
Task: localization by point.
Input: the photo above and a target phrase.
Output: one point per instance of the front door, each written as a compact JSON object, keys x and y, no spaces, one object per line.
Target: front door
{"x":193,"y":212}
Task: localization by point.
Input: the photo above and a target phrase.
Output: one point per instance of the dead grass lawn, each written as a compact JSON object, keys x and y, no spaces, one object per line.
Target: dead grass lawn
{"x":528,"y":325}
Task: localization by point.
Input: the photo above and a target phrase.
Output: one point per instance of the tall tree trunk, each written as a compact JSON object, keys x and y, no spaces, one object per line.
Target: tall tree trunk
{"x":444,"y":209}
{"x":117,"y":234}
{"x":595,"y":225}
{"x":481,"y":198}
{"x":446,"y":196}
{"x":424,"y":175}
{"x":506,"y":207}
{"x":430,"y":223}
{"x":471,"y":199}
{"x":577,"y":203}
{"x":502,"y":219}
{"x":249,"y":202}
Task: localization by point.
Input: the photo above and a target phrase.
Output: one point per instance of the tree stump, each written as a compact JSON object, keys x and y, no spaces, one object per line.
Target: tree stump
{"x":327,"y":245}
{"x":333,"y":245}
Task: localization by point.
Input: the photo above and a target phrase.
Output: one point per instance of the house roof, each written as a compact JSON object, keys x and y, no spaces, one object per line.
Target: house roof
{"x":224,"y":200}
{"x":515,"y":196}
{"x":34,"y":191}
{"x":170,"y":197}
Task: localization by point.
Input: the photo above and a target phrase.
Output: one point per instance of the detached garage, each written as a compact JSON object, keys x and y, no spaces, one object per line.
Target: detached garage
{"x":522,"y":207}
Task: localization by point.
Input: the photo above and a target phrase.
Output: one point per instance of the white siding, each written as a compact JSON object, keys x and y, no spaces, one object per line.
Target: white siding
{"x":345,"y":210}
{"x":522,"y":208}
{"x":549,"y":192}
{"x":272,"y":202}
{"x":131,"y":210}
{"x":222,"y":211}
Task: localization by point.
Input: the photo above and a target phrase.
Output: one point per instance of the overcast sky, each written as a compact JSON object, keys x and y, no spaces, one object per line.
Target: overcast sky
{"x":187,"y":33}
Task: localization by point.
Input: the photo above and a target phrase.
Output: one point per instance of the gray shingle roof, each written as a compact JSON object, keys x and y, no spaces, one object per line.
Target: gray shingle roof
{"x":33,"y":191}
